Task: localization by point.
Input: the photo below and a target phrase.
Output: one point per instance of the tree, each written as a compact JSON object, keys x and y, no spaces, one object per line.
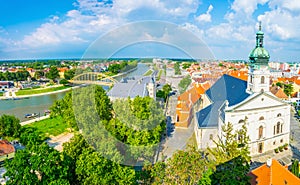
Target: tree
{"x":166,"y":90}
{"x":184,"y":167}
{"x":184,"y":84}
{"x":103,"y":104}
{"x":39,"y":74}
{"x":186,"y":65}
{"x":38,"y":165}
{"x":9,"y":126}
{"x":287,"y":88}
{"x":64,"y":108}
{"x":30,"y":136}
{"x":71,"y":152}
{"x":69,"y":74}
{"x":231,"y":156}
{"x":177,"y":68}
{"x":53,"y":73}
{"x":89,"y":167}
{"x":63,"y":81}
{"x":295,"y":167}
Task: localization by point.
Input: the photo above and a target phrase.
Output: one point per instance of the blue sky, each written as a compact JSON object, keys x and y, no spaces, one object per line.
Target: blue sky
{"x":34,"y":29}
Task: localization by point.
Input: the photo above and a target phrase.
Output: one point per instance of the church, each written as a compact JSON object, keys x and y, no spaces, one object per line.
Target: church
{"x":237,"y":101}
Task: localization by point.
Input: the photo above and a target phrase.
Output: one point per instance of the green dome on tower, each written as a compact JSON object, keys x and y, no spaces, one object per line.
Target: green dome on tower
{"x":259,"y":56}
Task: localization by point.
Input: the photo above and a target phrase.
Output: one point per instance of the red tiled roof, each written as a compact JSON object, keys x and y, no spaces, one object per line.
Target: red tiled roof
{"x":278,"y":92}
{"x":6,"y":148}
{"x":275,"y":174}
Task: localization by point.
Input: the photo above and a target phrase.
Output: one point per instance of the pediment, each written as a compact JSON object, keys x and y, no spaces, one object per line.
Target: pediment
{"x":259,"y":101}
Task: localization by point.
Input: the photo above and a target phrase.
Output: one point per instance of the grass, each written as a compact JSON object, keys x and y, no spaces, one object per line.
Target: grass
{"x":51,"y":126}
{"x":159,"y":75}
{"x":149,"y":72}
{"x":39,"y":91}
{"x":1,"y":93}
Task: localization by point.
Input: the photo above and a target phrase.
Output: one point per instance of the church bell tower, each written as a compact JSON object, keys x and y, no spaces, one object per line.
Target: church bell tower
{"x":259,"y":74}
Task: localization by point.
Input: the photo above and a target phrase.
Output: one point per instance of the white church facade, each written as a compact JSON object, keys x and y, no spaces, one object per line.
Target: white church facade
{"x":231,"y":100}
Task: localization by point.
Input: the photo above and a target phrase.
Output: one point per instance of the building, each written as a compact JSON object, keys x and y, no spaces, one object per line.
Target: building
{"x":4,"y":85}
{"x":189,"y":102}
{"x":134,"y":86}
{"x":272,"y":173}
{"x":6,"y":149}
{"x":235,"y":101}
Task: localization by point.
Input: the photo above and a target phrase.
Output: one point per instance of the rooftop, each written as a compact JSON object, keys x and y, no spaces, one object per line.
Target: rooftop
{"x":273,"y":173}
{"x":6,"y":148}
{"x":226,"y":88}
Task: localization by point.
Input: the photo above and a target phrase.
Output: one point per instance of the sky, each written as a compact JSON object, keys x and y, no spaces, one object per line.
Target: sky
{"x":35,"y":29}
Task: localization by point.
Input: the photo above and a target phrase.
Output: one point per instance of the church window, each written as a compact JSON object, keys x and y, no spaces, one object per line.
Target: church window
{"x":262,"y":80}
{"x":281,"y":140}
{"x":261,"y":118}
{"x":260,"y":147}
{"x":281,"y":128}
{"x":260,"y":132}
{"x":241,"y":121}
{"x":274,"y":131}
{"x":251,"y":79}
{"x":279,"y":115}
{"x":278,"y":128}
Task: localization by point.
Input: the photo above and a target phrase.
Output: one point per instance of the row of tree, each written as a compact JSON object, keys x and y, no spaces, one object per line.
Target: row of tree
{"x":17,"y":76}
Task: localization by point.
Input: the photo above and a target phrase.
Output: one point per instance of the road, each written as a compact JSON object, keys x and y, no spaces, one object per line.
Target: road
{"x":295,"y":136}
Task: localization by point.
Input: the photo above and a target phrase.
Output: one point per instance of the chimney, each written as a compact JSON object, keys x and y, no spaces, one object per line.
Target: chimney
{"x":269,"y":162}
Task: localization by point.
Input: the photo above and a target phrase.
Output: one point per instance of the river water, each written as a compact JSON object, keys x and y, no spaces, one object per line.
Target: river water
{"x":38,"y":104}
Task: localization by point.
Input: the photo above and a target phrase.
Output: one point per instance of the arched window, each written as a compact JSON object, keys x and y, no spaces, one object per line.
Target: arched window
{"x":261,"y":118}
{"x":260,"y":132}
{"x":278,"y":128}
{"x":279,"y":115}
{"x":262,"y":80}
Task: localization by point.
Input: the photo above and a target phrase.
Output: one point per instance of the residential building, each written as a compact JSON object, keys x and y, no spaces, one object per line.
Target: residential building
{"x":5,"y":85}
{"x":6,"y":149}
{"x":189,"y":102}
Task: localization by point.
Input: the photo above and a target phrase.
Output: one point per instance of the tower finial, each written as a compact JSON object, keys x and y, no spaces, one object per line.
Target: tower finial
{"x":259,"y":25}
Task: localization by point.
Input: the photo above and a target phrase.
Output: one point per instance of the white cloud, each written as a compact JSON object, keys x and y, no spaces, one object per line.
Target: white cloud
{"x":91,"y":18}
{"x":292,"y":5}
{"x":247,"y":7}
{"x":281,"y":24}
{"x":205,"y":17}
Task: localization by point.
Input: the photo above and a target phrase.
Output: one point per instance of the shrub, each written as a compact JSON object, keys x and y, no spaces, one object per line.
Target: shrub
{"x":285,"y":146}
{"x":280,"y":148}
{"x":276,"y":150}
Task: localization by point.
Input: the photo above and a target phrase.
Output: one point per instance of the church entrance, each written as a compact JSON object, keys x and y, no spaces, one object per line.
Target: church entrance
{"x":260,"y":147}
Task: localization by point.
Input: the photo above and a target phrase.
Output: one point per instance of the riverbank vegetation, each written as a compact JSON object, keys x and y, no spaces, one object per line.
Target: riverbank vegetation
{"x":120,"y":67}
{"x":49,"y":127}
{"x":40,"y":90}
{"x":14,"y":76}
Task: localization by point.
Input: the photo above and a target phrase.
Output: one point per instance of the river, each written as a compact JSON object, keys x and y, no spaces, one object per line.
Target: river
{"x":38,"y":104}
